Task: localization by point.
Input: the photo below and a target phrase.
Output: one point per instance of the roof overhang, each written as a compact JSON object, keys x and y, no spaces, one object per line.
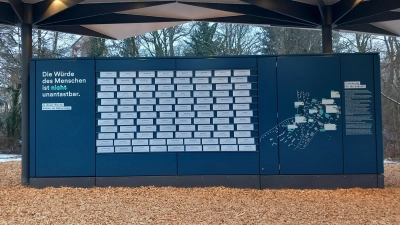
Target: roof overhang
{"x":119,"y":19}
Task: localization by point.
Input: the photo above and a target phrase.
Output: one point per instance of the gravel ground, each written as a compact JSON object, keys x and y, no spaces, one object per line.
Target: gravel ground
{"x":150,"y":205}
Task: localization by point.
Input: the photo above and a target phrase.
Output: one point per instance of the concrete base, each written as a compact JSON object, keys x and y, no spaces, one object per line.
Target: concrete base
{"x":233,"y":181}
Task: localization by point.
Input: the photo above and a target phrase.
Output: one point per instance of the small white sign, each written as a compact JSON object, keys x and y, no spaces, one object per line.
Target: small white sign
{"x":108,"y":74}
{"x":127,"y":74}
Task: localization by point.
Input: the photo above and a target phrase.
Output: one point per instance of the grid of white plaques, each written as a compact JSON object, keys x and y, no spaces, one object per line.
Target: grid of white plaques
{"x":176,"y":111}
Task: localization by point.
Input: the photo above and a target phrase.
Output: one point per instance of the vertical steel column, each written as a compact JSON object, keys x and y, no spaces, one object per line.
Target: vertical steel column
{"x":327,"y":30}
{"x":26,"y":39}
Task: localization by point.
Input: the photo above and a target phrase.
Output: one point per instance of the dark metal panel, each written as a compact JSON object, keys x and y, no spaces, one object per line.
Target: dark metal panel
{"x":216,"y":63}
{"x":81,"y":182}
{"x":319,"y":181}
{"x":267,"y":111}
{"x":218,"y":163}
{"x":366,"y":28}
{"x":388,"y":16}
{"x":138,"y":164}
{"x":249,"y":10}
{"x":7,"y":14}
{"x":370,"y":8}
{"x":134,"y":64}
{"x":378,"y":115}
{"x":341,"y":8}
{"x":359,"y":142}
{"x":301,"y":11}
{"x":88,"y":10}
{"x":76,"y":30}
{"x":306,"y":145}
{"x":381,"y":181}
{"x":255,"y":20}
{"x":47,"y":8}
{"x":232,"y":181}
{"x":65,"y":139}
{"x":115,"y":18}
{"x":32,"y":119}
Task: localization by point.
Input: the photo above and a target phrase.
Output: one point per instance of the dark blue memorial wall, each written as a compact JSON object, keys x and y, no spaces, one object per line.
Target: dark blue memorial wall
{"x":307,"y":115}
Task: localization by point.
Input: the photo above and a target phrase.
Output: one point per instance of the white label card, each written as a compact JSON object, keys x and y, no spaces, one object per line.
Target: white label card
{"x":122,"y":149}
{"x":144,"y":121}
{"x":105,"y":149}
{"x":127,"y":74}
{"x":209,"y":148}
{"x":158,"y":148}
{"x":125,"y":135}
{"x":205,"y":114}
{"x":148,"y":115}
{"x":105,"y":81}
{"x":105,"y":122}
{"x":106,"y":136}
{"x":243,"y":86}
{"x":167,"y":101}
{"x":124,"y":94}
{"x":162,"y":81}
{"x":108,"y":74}
{"x":128,"y":101}
{"x":165,"y":134}
{"x":127,"y":129}
{"x":128,"y":115}
{"x":141,"y":149}
{"x":143,"y":81}
{"x":105,"y":108}
{"x":109,"y":115}
{"x":165,"y":73}
{"x":222,"y":73}
{"x":144,"y":94}
{"x":221,"y":134}
{"x":206,"y":73}
{"x":124,"y":81}
{"x":204,"y":100}
{"x":177,"y":148}
{"x":241,"y":73}
{"x":158,"y":142}
{"x":122,"y":142}
{"x":125,"y":122}
{"x":104,"y":142}
{"x":147,"y":87}
{"x":125,"y":108}
{"x":147,"y":74}
{"x":163,"y":94}
{"x":204,"y":87}
{"x":239,"y":80}
{"x":181,"y":80}
{"x":219,"y":80}
{"x":194,"y":148}
{"x":197,"y":80}
{"x":223,"y":86}
{"x":229,"y":148}
{"x":108,"y":88}
{"x":109,"y":102}
{"x":166,"y":87}
{"x":127,"y":87}
{"x":184,"y":73}
{"x":105,"y":94}
{"x":107,"y":129}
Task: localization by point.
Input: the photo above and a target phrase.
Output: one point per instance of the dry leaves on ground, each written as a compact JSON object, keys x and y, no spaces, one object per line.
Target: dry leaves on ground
{"x":150,"y":205}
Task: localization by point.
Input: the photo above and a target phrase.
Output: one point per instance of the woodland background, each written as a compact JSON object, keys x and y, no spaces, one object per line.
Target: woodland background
{"x":195,"y":39}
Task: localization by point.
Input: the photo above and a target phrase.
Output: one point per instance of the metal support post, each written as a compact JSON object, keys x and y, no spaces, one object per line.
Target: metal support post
{"x":26,"y":39}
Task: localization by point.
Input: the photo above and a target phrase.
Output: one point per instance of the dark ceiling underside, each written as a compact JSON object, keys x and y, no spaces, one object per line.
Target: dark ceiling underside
{"x":345,"y":15}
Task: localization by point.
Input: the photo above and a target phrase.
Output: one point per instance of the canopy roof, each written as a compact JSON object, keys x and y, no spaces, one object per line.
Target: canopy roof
{"x":118,"y":19}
